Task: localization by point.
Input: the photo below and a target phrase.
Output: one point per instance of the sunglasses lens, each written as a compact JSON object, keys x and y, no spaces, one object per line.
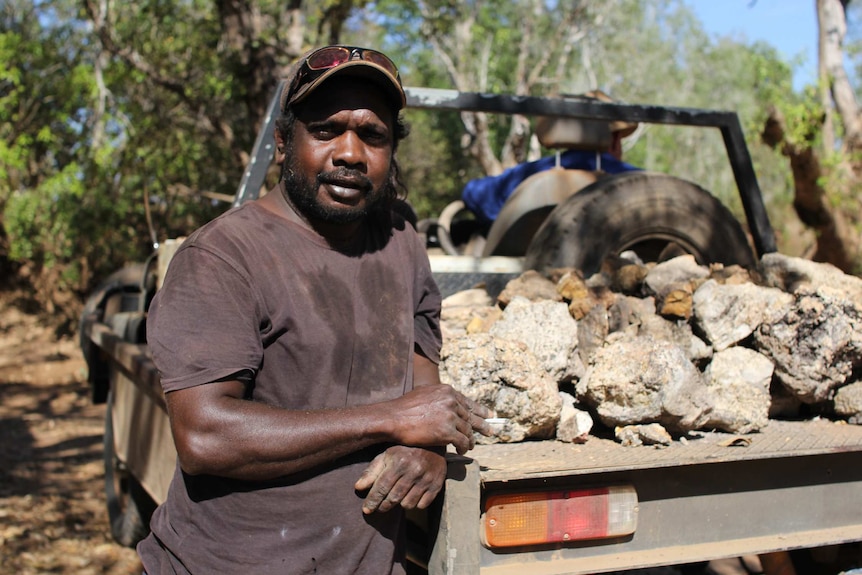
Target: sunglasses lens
{"x":380,"y":60}
{"x":328,"y":58}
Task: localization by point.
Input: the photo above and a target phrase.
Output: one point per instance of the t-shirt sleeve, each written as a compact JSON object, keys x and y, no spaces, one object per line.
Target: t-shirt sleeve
{"x":203,"y":323}
{"x":426,"y":317}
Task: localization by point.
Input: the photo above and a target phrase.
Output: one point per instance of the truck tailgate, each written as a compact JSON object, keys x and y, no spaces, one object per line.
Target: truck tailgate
{"x":797,"y":484}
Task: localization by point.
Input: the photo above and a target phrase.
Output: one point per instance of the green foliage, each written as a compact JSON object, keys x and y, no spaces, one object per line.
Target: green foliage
{"x":44,"y":216}
{"x":70,"y":190}
{"x":44,"y":90}
{"x":431,"y":160}
{"x":13,"y":145}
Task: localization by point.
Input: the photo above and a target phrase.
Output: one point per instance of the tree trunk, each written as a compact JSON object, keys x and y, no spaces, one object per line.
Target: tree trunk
{"x":810,"y":200}
{"x":334,"y":17}
{"x":846,"y":174}
{"x":823,"y":194}
{"x":832,"y":24}
{"x":251,"y":59}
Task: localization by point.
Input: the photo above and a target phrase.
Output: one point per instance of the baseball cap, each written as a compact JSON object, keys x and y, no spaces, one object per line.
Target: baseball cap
{"x":313,"y":69}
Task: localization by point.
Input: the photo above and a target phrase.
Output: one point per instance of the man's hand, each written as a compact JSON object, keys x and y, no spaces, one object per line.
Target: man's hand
{"x":438,"y":415}
{"x":407,"y":476}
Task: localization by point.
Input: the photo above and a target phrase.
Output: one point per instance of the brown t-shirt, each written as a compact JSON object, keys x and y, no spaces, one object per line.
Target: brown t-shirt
{"x":315,"y":328}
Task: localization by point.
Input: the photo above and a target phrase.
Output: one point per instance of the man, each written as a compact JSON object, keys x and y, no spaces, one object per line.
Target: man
{"x":485,"y":196}
{"x":297,"y":338}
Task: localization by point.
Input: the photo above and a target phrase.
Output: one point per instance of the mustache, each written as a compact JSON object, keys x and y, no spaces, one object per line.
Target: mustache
{"x":345,"y":177}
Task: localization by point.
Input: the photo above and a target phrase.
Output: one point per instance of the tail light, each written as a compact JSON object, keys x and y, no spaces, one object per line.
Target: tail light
{"x":541,"y":517}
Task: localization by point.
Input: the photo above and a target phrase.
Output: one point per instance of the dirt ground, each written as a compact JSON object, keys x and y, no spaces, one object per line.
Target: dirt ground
{"x":52,"y":505}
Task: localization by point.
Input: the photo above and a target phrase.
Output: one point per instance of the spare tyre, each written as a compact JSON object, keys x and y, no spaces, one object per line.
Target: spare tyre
{"x":126,"y":290}
{"x":656,"y":216}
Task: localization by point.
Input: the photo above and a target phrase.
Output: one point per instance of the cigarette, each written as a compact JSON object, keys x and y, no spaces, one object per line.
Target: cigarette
{"x":497,"y":420}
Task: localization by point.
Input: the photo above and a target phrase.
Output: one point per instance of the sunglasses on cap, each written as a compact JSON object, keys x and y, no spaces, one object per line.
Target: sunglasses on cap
{"x":322,"y":61}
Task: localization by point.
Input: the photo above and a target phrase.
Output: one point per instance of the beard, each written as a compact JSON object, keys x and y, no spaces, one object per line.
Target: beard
{"x":302,"y":192}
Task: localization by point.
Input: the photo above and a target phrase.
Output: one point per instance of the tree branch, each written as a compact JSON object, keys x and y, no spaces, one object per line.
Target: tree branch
{"x":100,"y":16}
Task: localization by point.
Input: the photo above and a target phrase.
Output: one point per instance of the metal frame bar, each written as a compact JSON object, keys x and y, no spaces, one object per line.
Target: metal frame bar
{"x":262,"y":153}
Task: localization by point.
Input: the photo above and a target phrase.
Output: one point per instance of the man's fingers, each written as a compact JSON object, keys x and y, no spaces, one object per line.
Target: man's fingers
{"x":395,"y":497}
{"x":463,"y":443}
{"x":427,"y":498}
{"x":420,"y":496}
{"x":377,"y":495}
{"x":422,"y":491}
{"x":478,"y":409}
{"x":481,"y":426}
{"x":476,"y":418}
{"x":371,"y":473}
{"x":463,"y":440}
{"x":412,"y":498}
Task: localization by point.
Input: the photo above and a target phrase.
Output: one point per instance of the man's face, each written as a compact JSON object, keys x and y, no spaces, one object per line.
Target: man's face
{"x":338,"y":167}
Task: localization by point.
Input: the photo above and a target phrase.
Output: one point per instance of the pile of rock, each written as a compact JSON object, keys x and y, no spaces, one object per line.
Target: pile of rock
{"x":657,"y":351}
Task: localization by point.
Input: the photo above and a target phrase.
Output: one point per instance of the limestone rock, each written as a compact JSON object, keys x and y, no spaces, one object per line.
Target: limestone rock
{"x":679,"y":270}
{"x":815,"y":345}
{"x":767,"y":339}
{"x":548,"y":331}
{"x":733,"y":274}
{"x":727,"y":314}
{"x":581,"y":297}
{"x":790,"y":274}
{"x":468,"y":311}
{"x":530,"y":285}
{"x":629,"y":278}
{"x":505,"y":376}
{"x":848,"y":402}
{"x":468,"y":298}
{"x":575,"y":424}
{"x":675,"y":300}
{"x":636,"y":380}
{"x":678,"y":333}
{"x":572,"y":286}
{"x":739,"y":379}
{"x":482,"y":319}
{"x":638,"y":316}
{"x":624,"y":273}
{"x":592,"y":331}
{"x":629,"y":311}
{"x":637,"y":435}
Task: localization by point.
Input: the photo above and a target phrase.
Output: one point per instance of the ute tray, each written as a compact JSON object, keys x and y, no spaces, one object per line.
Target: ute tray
{"x":780,"y":439}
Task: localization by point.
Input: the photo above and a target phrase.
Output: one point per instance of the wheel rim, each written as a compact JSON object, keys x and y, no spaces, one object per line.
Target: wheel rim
{"x":660,"y":247}
{"x":120,"y":482}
